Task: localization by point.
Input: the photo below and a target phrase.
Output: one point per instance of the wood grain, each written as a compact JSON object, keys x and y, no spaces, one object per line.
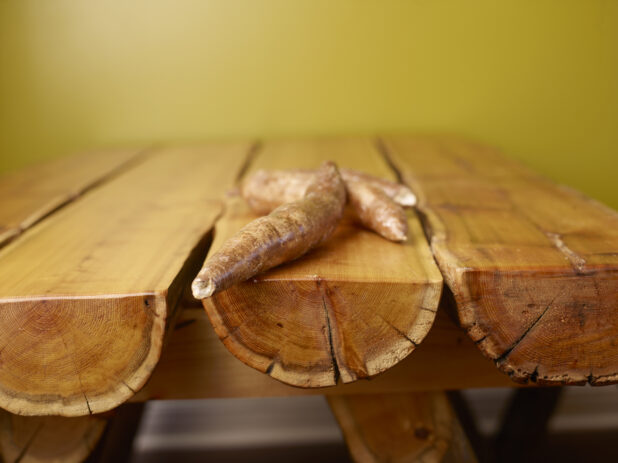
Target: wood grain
{"x":196,"y":365}
{"x":400,"y":428}
{"x":533,"y":266}
{"x":49,"y":439}
{"x":350,"y":309}
{"x":86,"y":296}
{"x":28,"y":195}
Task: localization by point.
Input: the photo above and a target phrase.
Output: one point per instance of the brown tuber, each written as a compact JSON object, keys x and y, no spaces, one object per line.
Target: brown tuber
{"x":285,"y":234}
{"x":398,"y":192}
{"x":376,"y":211}
{"x":376,"y":203}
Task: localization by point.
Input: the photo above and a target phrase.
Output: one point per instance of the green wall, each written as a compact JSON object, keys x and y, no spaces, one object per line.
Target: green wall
{"x":536,"y":77}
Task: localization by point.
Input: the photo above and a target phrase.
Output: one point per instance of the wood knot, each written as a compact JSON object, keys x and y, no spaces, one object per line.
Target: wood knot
{"x":422,"y":433}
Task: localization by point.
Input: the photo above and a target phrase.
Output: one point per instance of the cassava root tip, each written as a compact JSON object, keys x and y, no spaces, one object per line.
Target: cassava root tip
{"x":405,"y":197}
{"x":202,"y":289}
{"x":377,"y":211}
{"x":285,"y":234}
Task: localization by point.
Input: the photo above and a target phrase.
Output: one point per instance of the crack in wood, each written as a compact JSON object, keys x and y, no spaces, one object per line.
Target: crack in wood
{"x":429,"y":310}
{"x":128,"y":387}
{"x":397,"y":330}
{"x":333,"y":357}
{"x":230,"y":334}
{"x":254,"y":149}
{"x":85,"y":398}
{"x":270,"y":367}
{"x":73,"y":196}
{"x":79,"y":378}
{"x":507,"y":352}
{"x":384,"y":152}
{"x":535,"y":374}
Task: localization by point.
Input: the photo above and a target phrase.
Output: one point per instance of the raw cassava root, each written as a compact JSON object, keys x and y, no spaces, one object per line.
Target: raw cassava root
{"x":399,"y":193}
{"x":376,"y":203}
{"x":376,"y":211}
{"x":287,"y":233}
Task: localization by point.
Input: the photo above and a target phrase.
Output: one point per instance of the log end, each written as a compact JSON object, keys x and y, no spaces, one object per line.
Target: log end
{"x":544,"y":327}
{"x":313,"y":333}
{"x":77,"y":356}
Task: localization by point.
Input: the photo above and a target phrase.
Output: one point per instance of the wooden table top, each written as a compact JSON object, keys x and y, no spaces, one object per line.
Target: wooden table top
{"x":97,"y":252}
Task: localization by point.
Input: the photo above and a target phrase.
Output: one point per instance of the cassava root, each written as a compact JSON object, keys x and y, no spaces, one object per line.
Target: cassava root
{"x":398,"y":192}
{"x":287,"y":233}
{"x":376,"y":203}
{"x":376,"y":211}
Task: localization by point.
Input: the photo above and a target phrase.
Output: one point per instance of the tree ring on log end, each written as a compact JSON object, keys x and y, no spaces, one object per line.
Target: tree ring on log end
{"x":77,"y":356}
{"x":310,"y":332}
{"x":543,"y":327}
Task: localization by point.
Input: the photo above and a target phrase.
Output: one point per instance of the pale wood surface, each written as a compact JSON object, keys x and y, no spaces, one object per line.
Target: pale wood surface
{"x":196,"y":365}
{"x":533,"y":266}
{"x":28,"y":195}
{"x":87,"y":294}
{"x":349,"y":309}
{"x":49,"y":439}
{"x":415,"y":427}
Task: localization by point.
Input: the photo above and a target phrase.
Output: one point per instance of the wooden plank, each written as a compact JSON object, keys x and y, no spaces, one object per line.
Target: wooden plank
{"x":196,"y":365}
{"x":87,"y":295}
{"x":396,"y":428}
{"x":28,"y":195}
{"x":350,"y":309}
{"x":533,"y":266}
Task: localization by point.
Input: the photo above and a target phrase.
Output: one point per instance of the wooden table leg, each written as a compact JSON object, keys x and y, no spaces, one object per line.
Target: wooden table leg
{"x":525,"y":421}
{"x":412,"y":427}
{"x":46,"y":439}
{"x":104,"y":438}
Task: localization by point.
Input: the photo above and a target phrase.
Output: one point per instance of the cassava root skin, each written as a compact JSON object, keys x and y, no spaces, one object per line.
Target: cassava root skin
{"x":266,"y":190}
{"x":287,"y":233}
{"x":398,"y":192}
{"x":376,"y":211}
{"x":377,"y":203}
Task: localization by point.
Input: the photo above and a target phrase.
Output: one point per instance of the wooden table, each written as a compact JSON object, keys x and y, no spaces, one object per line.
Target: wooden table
{"x":97,"y":252}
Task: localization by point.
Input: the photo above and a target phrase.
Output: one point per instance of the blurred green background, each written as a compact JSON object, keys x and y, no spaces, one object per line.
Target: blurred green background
{"x":538,"y":78}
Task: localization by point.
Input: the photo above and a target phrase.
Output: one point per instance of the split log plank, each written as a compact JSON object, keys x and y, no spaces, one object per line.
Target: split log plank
{"x":401,"y":428}
{"x":533,"y":266}
{"x":87,"y":295}
{"x":28,"y":195}
{"x":349,"y":309}
{"x":196,"y":365}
